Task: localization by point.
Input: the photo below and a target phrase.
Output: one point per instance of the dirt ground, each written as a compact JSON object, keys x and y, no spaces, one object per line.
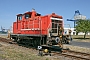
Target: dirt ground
{"x":14,"y":52}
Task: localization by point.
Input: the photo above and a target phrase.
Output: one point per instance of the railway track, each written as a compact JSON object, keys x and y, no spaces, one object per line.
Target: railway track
{"x":73,"y":55}
{"x":15,"y":43}
{"x":7,"y":41}
{"x":67,"y":53}
{"x":4,"y":40}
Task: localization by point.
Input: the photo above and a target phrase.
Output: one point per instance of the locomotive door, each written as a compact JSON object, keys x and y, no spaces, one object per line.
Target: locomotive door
{"x":55,"y":24}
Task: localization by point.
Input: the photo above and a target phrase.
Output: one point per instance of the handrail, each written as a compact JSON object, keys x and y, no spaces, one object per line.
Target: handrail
{"x":48,"y":27}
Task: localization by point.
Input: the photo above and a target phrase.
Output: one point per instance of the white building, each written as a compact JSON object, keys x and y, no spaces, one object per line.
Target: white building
{"x":66,"y":31}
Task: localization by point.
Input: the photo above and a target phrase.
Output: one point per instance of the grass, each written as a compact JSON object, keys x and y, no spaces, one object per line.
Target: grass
{"x":11,"y":52}
{"x":47,"y":59}
{"x":80,"y":36}
{"x":22,"y":53}
{"x":16,"y":54}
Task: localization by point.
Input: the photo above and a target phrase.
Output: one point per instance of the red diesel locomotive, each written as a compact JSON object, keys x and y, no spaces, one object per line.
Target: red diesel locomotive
{"x":35,"y":29}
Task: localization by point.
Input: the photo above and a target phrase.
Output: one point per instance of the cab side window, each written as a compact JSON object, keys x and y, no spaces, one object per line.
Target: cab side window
{"x":27,"y":16}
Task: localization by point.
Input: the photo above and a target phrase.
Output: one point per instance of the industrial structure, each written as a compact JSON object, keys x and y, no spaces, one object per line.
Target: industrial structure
{"x":77,"y":16}
{"x":3,"y":30}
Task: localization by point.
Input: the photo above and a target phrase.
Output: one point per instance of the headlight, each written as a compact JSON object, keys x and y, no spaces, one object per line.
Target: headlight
{"x":46,"y":50}
{"x":60,"y":36}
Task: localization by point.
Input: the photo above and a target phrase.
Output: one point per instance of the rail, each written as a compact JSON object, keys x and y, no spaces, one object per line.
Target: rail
{"x":73,"y":55}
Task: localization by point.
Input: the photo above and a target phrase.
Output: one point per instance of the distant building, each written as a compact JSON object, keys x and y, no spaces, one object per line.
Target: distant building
{"x":81,"y":33}
{"x":66,"y":31}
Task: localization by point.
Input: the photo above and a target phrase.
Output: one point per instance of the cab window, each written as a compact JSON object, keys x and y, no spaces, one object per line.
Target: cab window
{"x":19,"y":17}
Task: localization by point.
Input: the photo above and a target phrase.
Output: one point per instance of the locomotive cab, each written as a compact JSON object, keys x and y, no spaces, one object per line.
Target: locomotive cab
{"x":56,"y":22}
{"x":55,"y":32}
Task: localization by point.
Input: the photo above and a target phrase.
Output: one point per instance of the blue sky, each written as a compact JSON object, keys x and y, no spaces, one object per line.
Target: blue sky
{"x":66,"y":8}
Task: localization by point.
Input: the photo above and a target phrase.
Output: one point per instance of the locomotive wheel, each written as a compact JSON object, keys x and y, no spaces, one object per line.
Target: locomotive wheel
{"x":68,"y":42}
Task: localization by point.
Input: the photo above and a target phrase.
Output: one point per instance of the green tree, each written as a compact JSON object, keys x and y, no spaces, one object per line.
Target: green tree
{"x":83,"y":26}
